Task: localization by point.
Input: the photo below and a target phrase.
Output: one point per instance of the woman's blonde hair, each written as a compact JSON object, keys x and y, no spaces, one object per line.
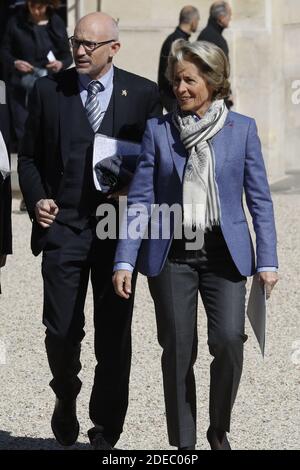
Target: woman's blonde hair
{"x":211,"y":61}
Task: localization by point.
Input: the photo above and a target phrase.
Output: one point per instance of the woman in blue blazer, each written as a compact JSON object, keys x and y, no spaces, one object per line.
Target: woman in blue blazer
{"x":200,"y":159}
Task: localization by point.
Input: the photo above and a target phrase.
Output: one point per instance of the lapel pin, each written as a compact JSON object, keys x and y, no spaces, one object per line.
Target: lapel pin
{"x":124,"y":92}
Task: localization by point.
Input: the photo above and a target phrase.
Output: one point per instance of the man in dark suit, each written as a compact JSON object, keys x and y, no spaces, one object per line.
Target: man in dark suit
{"x":55,"y":170}
{"x":188,"y":23}
{"x":5,"y":186}
{"x":219,"y":18}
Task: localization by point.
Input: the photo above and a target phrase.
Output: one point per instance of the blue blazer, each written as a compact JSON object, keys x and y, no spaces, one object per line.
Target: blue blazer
{"x":239,"y":167}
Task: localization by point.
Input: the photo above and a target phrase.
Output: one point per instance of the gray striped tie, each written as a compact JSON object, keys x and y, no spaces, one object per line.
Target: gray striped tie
{"x":92,"y":105}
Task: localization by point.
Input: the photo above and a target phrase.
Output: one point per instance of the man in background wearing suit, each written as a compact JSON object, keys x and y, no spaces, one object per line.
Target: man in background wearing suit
{"x":5,"y":185}
{"x":55,"y":171}
{"x":189,"y":18}
{"x":219,"y":18}
{"x":220,"y":14}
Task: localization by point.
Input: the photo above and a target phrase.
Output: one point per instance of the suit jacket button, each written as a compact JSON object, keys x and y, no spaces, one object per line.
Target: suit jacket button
{"x":61,"y":173}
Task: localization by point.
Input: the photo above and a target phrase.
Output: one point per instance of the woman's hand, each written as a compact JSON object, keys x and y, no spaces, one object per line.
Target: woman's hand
{"x":23,"y":66}
{"x":268,"y":280}
{"x":55,"y":66}
{"x":122,"y":283}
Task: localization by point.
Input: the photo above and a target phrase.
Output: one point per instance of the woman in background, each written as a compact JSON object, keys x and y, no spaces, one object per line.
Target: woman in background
{"x":35,"y":44}
{"x":34,"y":32}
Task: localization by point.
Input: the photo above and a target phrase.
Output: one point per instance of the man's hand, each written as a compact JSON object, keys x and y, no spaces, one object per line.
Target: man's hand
{"x":2,"y":260}
{"x":45,"y":212}
{"x":269,"y":280}
{"x":23,"y":66}
{"x":55,"y":66}
{"x":122,"y":283}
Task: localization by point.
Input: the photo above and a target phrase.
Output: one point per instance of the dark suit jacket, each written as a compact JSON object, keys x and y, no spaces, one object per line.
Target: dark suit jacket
{"x":46,"y":143}
{"x":5,"y":193}
{"x":213,"y":33}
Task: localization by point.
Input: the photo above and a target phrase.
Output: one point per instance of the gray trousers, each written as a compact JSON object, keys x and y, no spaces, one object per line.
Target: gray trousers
{"x":212,"y":272}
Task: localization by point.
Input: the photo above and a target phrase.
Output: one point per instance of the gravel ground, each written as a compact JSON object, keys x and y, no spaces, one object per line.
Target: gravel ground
{"x":267,"y":410}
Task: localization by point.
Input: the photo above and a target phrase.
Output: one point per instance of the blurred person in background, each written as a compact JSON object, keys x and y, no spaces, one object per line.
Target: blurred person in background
{"x":189,"y":18}
{"x":5,"y":187}
{"x":7,"y":8}
{"x":220,"y":14}
{"x":32,"y":33}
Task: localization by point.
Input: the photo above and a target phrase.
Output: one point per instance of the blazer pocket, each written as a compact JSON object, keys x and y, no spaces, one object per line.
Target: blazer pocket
{"x":240,"y":222}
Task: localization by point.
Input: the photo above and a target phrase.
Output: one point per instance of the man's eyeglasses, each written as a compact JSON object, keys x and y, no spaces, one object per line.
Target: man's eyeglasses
{"x":89,"y":46}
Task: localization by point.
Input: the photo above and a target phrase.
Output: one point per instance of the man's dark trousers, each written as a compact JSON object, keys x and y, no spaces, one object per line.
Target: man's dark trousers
{"x":69,"y":258}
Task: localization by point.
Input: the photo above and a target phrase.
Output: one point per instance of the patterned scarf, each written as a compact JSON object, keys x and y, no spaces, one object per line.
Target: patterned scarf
{"x":201,"y":204}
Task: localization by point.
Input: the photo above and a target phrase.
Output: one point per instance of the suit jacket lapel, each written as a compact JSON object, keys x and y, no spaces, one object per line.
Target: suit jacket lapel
{"x":120,"y":101}
{"x":68,"y":92}
{"x":221,"y":145}
{"x":220,"y":142}
{"x":112,"y":121}
{"x":107,"y":125}
{"x":177,"y":149}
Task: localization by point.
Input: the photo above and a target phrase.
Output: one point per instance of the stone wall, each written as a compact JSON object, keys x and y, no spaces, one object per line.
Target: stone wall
{"x":263,"y":39}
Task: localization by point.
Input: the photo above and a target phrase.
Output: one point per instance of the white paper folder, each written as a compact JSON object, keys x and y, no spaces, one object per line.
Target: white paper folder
{"x":114,"y":161}
{"x":256,"y":311}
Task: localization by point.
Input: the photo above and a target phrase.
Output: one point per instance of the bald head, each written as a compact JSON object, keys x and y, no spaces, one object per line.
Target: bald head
{"x":189,"y":18}
{"x":98,"y":24}
{"x":221,"y":12}
{"x":95,"y":43}
{"x":188,"y":14}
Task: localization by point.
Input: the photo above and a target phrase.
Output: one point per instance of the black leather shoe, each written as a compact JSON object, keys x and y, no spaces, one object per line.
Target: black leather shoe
{"x":99,"y":443}
{"x":187,"y":448}
{"x":217,"y":439}
{"x":64,"y":422}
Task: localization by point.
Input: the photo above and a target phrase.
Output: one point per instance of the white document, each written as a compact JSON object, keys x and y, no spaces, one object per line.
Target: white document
{"x":51,"y":57}
{"x":4,"y":161}
{"x":108,"y":147}
{"x":256,"y":312}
